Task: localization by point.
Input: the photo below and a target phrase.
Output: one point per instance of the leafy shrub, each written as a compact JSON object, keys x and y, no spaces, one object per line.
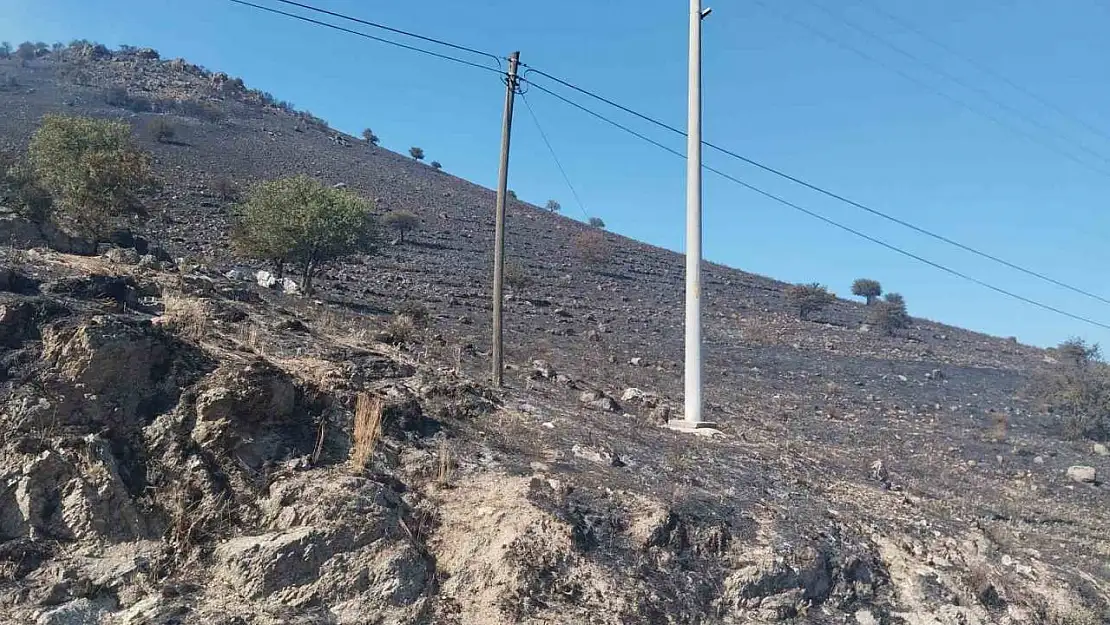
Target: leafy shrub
{"x":25,"y":51}
{"x":867,"y":288}
{"x":1078,"y":393}
{"x":416,"y":153}
{"x":369,"y":136}
{"x":92,"y":169}
{"x":590,"y":247}
{"x":597,"y":222}
{"x":553,"y":206}
{"x":19,"y":188}
{"x":809,"y":298}
{"x":515,"y":276}
{"x":436,"y":165}
{"x":162,"y":130}
{"x":890,"y":314}
{"x":302,"y":221}
{"x":401,"y":222}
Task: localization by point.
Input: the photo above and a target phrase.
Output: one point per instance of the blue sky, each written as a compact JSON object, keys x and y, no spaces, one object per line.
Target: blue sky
{"x":774,"y":91}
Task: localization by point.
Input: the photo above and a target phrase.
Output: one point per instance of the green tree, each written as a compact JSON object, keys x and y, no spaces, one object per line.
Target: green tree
{"x":92,"y":169}
{"x":416,"y":153}
{"x":890,"y":314}
{"x":302,"y":221}
{"x":20,"y":189}
{"x":369,"y":136}
{"x":867,"y":288}
{"x":5,"y":50}
{"x":597,"y":222}
{"x":401,"y":222}
{"x":809,"y":298}
{"x":553,"y":206}
{"x":25,"y":51}
{"x":436,"y":165}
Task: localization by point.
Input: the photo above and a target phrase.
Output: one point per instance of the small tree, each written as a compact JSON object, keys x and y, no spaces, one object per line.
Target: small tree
{"x":590,"y":247}
{"x":1078,"y":352}
{"x":511,"y":194}
{"x":25,"y":51}
{"x":5,"y":50}
{"x":369,"y":136}
{"x":809,"y":298}
{"x":401,"y":222}
{"x":890,"y":314}
{"x":867,"y":288}
{"x":436,"y":165}
{"x":302,"y":221}
{"x":553,"y":206}
{"x":416,"y":153}
{"x":92,"y":169}
{"x":162,"y":130}
{"x":597,"y":222}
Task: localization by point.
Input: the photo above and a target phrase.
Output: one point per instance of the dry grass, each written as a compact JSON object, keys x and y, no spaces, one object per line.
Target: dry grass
{"x":188,"y":315}
{"x":443,"y":473}
{"x":368,"y":429}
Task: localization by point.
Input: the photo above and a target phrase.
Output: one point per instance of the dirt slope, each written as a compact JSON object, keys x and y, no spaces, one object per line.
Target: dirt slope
{"x":175,"y":441}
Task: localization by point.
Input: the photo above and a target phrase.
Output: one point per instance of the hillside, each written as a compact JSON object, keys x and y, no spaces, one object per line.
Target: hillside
{"x":162,"y":476}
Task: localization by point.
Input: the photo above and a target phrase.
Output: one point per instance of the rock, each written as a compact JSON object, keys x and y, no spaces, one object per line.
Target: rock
{"x":1038,"y":460}
{"x":935,"y":374}
{"x":543,"y":369}
{"x":25,"y":234}
{"x":80,"y":612}
{"x":599,"y":401}
{"x":1082,"y":474}
{"x":122,"y":255}
{"x":243,"y":274}
{"x":1100,"y":449}
{"x":265,"y":279}
{"x":637,"y":362}
{"x":600,"y":456}
{"x":879,"y":472}
{"x":865,"y":617}
{"x":289,"y":286}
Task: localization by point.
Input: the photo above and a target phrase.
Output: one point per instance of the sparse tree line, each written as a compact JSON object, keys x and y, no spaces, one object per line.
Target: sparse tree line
{"x":887,"y":314}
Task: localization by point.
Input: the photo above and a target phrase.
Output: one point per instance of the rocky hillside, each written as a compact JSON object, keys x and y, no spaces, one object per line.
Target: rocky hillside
{"x":176,"y":438}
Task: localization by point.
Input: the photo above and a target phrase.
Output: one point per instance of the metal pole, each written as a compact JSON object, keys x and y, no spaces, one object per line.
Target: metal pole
{"x":499,"y":231}
{"x":693,"y":395}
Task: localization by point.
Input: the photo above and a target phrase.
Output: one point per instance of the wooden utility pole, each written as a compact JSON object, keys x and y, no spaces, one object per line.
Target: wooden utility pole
{"x":499,"y":231}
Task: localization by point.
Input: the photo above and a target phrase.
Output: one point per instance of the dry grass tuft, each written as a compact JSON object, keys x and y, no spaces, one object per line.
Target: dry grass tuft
{"x":368,"y":429}
{"x":188,"y":315}
{"x":443,"y":474}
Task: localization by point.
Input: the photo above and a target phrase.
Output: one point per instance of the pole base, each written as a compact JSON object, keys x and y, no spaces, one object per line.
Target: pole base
{"x":701,"y":428}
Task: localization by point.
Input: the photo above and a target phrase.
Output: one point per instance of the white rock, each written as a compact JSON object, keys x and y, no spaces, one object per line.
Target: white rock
{"x":1082,"y":474}
{"x":1101,"y":449}
{"x":265,"y":279}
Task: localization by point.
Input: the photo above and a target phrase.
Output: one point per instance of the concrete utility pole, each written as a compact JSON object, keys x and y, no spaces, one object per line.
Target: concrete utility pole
{"x":499,"y":231}
{"x":693,"y":395}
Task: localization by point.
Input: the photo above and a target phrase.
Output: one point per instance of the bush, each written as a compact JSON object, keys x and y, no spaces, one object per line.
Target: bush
{"x":416,"y":153}
{"x":401,"y":222}
{"x":890,"y":314}
{"x":92,"y":169}
{"x":25,"y":51}
{"x":597,"y":222}
{"x":436,"y":165}
{"x":515,"y":276}
{"x":553,"y":206}
{"x":591,"y":248}
{"x":300,"y":220}
{"x":369,"y":136}
{"x":5,"y":50}
{"x":162,"y":130}
{"x":809,"y":298}
{"x":19,"y":188}
{"x":1078,"y":394}
{"x":118,"y":96}
{"x":867,"y":288}
{"x":415,"y":311}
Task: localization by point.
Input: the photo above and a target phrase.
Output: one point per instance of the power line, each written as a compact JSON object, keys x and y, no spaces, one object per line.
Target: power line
{"x":831,"y":222}
{"x":937,"y":92}
{"x":364,"y":35}
{"x":398,"y":31}
{"x":956,"y":79}
{"x":826,"y":192}
{"x":981,"y":67}
{"x":555,"y":157}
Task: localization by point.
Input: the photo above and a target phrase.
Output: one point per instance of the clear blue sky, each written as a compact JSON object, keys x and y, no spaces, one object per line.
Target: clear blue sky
{"x":773,"y":91}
